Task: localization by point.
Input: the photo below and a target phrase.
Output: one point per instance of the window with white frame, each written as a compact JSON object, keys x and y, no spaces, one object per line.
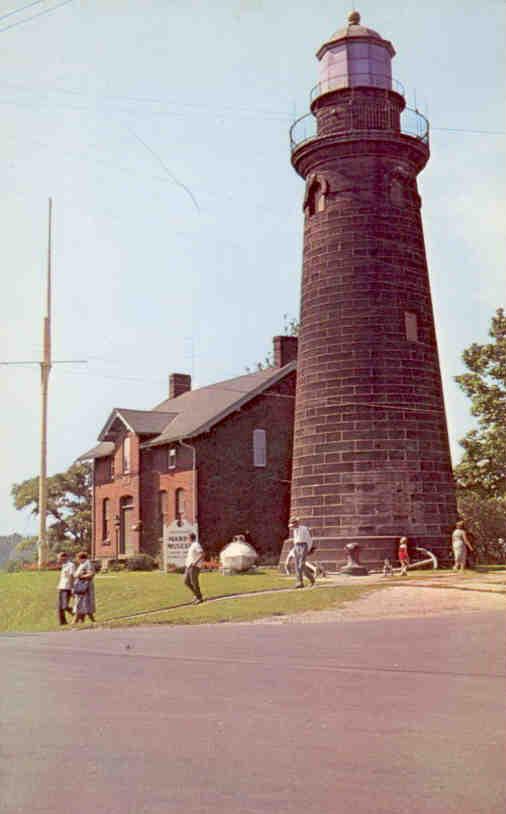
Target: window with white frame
{"x":171,"y":458}
{"x":259,"y":448}
{"x":180,"y":504}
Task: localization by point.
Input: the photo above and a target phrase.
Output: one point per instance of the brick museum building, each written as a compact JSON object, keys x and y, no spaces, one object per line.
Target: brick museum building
{"x":218,"y":457}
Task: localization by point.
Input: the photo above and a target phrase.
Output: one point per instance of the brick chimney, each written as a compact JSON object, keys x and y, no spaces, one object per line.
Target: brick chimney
{"x":179,"y":383}
{"x":285,"y":350}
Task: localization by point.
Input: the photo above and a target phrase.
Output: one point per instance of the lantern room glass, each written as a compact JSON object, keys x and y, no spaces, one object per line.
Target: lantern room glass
{"x":354,"y":64}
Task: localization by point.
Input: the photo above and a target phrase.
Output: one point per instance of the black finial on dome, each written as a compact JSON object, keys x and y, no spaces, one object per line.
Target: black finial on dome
{"x":354,"y":18}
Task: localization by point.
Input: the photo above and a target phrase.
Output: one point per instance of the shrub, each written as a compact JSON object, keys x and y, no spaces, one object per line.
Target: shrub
{"x":141,"y":562}
{"x":115,"y":565}
{"x":269,"y":559}
{"x":210,"y":565}
{"x":33,"y":566}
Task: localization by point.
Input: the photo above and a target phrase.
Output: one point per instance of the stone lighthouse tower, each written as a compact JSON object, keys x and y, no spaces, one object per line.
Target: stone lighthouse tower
{"x":371,"y":456}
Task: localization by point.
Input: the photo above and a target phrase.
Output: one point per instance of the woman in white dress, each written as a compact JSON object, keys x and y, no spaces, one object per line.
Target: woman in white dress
{"x":460,"y":544}
{"x":83,"y":589}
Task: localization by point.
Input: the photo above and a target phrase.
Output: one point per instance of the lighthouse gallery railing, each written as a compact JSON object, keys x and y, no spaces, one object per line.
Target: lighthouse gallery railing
{"x":413,"y":124}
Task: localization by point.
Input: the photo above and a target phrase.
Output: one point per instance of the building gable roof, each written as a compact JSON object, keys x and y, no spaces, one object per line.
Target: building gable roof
{"x":199,"y":410}
{"x":102,"y":450}
{"x":189,"y":414}
{"x":140,"y":422}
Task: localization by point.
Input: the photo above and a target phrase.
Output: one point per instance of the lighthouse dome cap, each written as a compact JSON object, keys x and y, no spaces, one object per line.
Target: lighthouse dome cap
{"x":353,"y":30}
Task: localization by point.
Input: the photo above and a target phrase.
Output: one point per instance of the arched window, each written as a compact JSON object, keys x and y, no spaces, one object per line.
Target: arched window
{"x":316,"y":194}
{"x":163,"y":510}
{"x":180,"y":504}
{"x":126,"y":454}
{"x":106,"y":518}
{"x":163,"y":506}
{"x":316,"y":198}
{"x":126,"y":509}
{"x":259,"y":448}
{"x":396,"y":192}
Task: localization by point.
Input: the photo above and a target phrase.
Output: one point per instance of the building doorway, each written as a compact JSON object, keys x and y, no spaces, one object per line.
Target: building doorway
{"x":126,"y":542}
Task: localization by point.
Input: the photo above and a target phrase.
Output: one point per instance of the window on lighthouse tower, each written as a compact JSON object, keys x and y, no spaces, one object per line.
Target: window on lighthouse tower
{"x":315,"y":198}
{"x":411,"y":325}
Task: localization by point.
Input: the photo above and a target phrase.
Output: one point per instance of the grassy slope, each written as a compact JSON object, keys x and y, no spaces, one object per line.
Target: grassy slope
{"x":248,"y":608}
{"x":27,"y":600}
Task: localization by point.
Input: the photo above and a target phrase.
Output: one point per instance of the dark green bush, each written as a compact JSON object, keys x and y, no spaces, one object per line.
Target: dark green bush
{"x":141,"y":562}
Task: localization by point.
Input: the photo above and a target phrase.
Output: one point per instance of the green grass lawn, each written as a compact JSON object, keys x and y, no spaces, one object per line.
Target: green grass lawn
{"x":28,"y":600}
{"x":249,"y":608}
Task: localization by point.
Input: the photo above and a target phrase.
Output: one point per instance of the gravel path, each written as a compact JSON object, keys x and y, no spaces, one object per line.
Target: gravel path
{"x":447,"y":595}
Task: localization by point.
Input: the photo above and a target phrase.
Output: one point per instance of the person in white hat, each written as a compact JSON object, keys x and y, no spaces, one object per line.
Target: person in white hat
{"x":65,"y":583}
{"x":302,"y":545}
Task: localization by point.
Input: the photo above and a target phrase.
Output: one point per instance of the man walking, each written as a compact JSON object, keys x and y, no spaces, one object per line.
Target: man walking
{"x":65,"y":586}
{"x":194,"y":559}
{"x":302,"y":545}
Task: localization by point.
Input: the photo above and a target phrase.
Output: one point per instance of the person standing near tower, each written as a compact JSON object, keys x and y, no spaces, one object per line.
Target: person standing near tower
{"x":460,"y":546}
{"x":302,"y":545}
{"x":403,"y":556}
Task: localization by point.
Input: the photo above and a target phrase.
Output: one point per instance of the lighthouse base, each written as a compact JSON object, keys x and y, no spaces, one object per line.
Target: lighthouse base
{"x":354,"y":570}
{"x":333,"y":553}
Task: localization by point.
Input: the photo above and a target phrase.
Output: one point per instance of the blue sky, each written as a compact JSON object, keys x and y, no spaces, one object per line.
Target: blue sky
{"x":160,"y":129}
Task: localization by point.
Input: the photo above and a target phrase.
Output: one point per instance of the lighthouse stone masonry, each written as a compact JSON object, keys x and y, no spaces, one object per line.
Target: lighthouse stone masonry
{"x":371,"y":457}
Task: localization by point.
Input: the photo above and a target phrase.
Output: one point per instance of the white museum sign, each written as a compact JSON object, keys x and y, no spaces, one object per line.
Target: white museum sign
{"x":176,"y":542}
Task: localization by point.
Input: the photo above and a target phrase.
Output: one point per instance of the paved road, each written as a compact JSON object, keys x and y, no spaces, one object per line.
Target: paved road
{"x":364,"y":717}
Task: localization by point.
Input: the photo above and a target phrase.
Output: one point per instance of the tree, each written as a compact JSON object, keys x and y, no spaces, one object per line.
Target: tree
{"x":8,"y":543}
{"x":483,"y":465}
{"x":485,"y":519}
{"x":68,"y":504}
{"x":481,"y":474}
{"x":25,"y":551}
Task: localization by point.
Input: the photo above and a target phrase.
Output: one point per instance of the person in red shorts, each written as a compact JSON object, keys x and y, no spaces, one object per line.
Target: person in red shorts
{"x":403,"y":556}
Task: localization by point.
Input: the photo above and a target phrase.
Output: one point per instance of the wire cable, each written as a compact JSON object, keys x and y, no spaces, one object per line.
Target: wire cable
{"x":39,"y":14}
{"x":223,"y":113}
{"x":478,"y":132}
{"x":166,"y":169}
{"x":20,"y":9}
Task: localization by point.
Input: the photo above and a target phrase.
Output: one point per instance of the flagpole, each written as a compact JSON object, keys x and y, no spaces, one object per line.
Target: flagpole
{"x":45,"y":368}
